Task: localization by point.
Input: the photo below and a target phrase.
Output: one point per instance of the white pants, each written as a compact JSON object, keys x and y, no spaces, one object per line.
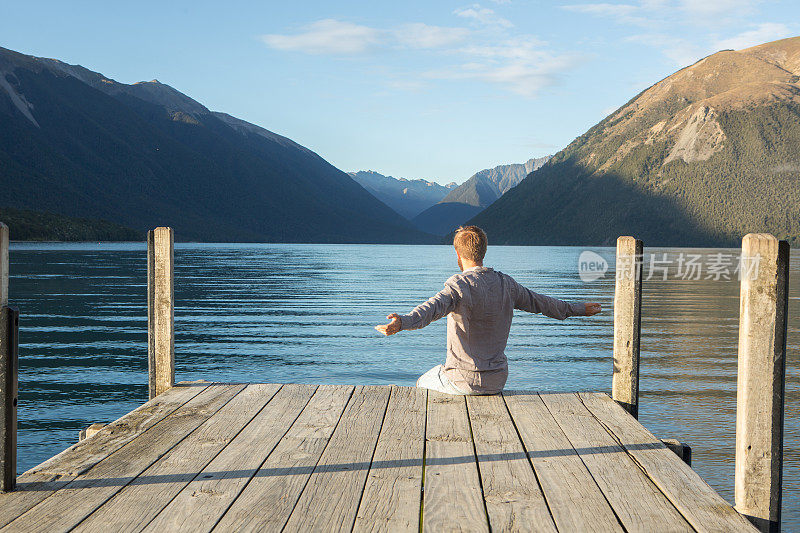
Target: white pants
{"x":434,"y":379}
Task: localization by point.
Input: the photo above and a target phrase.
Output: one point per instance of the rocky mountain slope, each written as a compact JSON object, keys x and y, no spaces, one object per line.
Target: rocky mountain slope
{"x":701,"y":158}
{"x":75,"y":143}
{"x":486,"y":186}
{"x":407,"y":197}
{"x":475,"y":194}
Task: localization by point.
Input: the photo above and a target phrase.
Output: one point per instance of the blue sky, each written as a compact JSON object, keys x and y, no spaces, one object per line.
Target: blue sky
{"x":418,"y":89}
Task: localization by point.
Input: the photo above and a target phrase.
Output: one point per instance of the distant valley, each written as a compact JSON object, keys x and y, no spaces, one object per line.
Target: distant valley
{"x":439,"y":209}
{"x":474,"y":195}
{"x":409,"y":197}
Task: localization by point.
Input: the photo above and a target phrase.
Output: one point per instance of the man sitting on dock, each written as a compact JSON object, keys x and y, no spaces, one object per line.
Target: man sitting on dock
{"x":479,"y":303}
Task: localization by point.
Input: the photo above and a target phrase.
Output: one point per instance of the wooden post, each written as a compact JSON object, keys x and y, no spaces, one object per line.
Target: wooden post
{"x":160,"y":310}
{"x":763,"y":303}
{"x":627,"y":324}
{"x":91,"y":431}
{"x":3,"y":264}
{"x":9,"y":370}
{"x":9,"y":367}
{"x":681,"y":449}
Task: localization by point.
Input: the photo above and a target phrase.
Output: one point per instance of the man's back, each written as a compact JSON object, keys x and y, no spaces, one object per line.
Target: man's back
{"x":479,"y":303}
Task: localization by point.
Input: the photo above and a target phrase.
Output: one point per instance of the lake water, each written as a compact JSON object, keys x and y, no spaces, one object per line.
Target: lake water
{"x":305,"y":313}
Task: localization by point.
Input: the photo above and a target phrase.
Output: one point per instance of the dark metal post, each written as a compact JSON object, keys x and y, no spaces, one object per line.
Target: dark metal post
{"x":9,"y":369}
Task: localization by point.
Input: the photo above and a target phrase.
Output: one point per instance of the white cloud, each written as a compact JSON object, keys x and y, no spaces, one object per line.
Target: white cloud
{"x":330,"y":36}
{"x":525,"y":79}
{"x":654,"y":4}
{"x":408,"y":85}
{"x":519,"y":63}
{"x":483,"y":15}
{"x":681,"y":52}
{"x":769,"y":31}
{"x":523,"y":65}
{"x":608,"y":110}
{"x":707,"y":13}
{"x":327,"y":36}
{"x":523,"y":49}
{"x":685,"y":31}
{"x":419,"y":35}
{"x":606,"y":10}
{"x":707,"y":8}
{"x":620,"y":13}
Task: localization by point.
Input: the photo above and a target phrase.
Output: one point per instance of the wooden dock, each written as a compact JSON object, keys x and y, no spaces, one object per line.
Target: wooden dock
{"x":205,"y":456}
{"x":266,"y":457}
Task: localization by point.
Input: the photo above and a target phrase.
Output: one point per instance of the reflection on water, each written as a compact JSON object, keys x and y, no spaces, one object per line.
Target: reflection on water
{"x":305,"y":313}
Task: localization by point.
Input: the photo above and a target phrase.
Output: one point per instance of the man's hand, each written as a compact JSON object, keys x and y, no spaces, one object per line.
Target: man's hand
{"x":592,"y":308}
{"x":392,"y":327}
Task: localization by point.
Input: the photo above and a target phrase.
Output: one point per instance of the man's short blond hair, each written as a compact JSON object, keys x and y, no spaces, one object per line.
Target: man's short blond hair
{"x":471,"y":243}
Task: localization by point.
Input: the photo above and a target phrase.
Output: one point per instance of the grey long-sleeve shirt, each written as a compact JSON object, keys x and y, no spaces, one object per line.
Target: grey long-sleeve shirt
{"x":479,"y":304}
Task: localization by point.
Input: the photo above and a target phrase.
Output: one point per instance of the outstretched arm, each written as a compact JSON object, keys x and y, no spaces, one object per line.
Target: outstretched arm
{"x":434,"y":308}
{"x":533,"y":302}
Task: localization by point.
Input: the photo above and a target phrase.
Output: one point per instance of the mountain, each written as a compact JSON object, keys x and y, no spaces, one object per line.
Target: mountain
{"x":38,"y":226}
{"x":76,"y":143}
{"x":701,"y":158}
{"x":407,"y":197}
{"x":472,"y":196}
{"x":488,"y":185}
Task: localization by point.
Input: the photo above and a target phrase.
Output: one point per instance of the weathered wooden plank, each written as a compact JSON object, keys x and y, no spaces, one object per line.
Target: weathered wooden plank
{"x":66,"y":507}
{"x":392,"y":494}
{"x":284,"y":474}
{"x":39,"y":482}
{"x":574,"y":441}
{"x":31,"y":490}
{"x":453,"y":500}
{"x":136,"y":504}
{"x":700,"y":504}
{"x":202,"y":502}
{"x":511,"y":491}
{"x":331,"y":497}
{"x":81,"y":456}
{"x":160,"y":310}
{"x":575,"y":500}
{"x":638,"y":504}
